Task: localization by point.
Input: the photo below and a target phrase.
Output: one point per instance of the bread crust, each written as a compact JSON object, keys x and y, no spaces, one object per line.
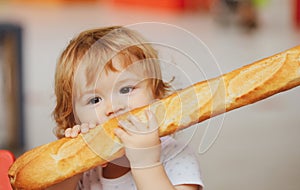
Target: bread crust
{"x":54,"y":162}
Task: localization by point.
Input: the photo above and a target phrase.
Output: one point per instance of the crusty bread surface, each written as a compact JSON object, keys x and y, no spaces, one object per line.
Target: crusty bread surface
{"x":54,"y":162}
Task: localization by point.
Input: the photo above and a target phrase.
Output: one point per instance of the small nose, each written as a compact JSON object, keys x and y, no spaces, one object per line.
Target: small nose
{"x":114,"y":109}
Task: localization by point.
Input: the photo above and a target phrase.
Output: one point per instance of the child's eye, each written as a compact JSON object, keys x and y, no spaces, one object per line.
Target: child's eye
{"x":95,"y":100}
{"x":126,"y":89}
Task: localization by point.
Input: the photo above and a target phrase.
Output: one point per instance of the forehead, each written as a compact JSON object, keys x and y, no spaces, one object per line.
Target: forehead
{"x":118,"y":69}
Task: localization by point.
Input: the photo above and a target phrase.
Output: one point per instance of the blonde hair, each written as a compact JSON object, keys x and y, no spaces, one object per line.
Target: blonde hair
{"x":95,"y":49}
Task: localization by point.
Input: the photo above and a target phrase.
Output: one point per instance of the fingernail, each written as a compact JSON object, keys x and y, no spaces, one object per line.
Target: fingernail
{"x":67,"y":132}
{"x":84,"y":130}
{"x":121,"y":122}
{"x":73,"y":135}
{"x":76,"y":127}
{"x":92,"y":125}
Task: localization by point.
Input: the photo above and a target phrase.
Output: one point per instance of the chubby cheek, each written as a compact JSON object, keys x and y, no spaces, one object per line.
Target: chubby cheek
{"x":140,"y":100}
{"x":87,"y":116}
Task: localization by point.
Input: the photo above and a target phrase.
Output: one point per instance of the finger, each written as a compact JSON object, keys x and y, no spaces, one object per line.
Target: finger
{"x":121,"y":134}
{"x":76,"y":128}
{"x":128,"y":126}
{"x":75,"y":131}
{"x":68,"y":132}
{"x":152,"y":122}
{"x":140,"y":126}
{"x":84,"y":128}
{"x":134,"y":120}
{"x":92,"y":125}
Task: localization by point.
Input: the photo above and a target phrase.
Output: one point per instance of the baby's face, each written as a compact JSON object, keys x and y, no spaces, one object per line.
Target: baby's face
{"x":112,"y":94}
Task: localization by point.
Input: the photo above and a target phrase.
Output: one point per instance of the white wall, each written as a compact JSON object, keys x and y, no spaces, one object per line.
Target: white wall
{"x":258,"y":145}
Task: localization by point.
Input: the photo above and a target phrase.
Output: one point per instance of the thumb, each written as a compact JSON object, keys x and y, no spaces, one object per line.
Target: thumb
{"x":123,"y":135}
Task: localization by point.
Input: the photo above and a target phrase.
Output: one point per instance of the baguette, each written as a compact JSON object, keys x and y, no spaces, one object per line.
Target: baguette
{"x":54,"y":162}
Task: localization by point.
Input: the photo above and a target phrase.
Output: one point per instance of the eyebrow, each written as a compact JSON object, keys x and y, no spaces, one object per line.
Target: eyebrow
{"x":137,"y":80}
{"x":83,"y":93}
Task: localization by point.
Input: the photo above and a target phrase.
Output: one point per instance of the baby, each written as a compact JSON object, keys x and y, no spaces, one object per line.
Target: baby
{"x":104,"y":73}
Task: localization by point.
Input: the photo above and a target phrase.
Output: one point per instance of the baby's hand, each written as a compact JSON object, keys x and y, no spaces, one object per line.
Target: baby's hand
{"x":141,"y":141}
{"x":74,"y":131}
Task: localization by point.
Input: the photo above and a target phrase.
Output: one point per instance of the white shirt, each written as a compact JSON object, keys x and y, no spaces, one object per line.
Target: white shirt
{"x":180,"y":163}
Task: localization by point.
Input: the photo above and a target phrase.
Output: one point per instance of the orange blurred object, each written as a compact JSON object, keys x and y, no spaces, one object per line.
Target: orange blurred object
{"x":167,"y":4}
{"x":54,"y":2}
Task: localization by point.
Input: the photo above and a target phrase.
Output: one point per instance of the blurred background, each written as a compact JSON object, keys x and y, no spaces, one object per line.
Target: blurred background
{"x":254,"y":147}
